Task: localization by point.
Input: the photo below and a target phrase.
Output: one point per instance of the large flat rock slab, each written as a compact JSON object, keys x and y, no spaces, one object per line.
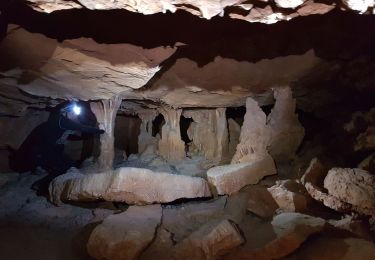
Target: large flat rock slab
{"x":228,"y":179}
{"x":124,"y":236}
{"x":131,"y":185}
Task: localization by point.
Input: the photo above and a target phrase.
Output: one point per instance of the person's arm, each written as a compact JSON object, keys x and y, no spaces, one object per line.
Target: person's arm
{"x":68,"y":124}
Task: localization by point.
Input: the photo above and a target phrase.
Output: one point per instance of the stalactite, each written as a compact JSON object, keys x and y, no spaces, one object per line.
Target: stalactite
{"x":171,"y":147}
{"x":209,"y":133}
{"x":105,"y":112}
{"x":145,"y":138}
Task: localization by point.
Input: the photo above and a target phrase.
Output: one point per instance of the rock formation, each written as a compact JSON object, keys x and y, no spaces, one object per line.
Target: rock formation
{"x":291,"y":229}
{"x":255,"y":135}
{"x":209,"y":133}
{"x":171,"y":147}
{"x":105,"y":112}
{"x":228,"y":179}
{"x":265,"y":12}
{"x":211,"y":241}
{"x":131,"y":185}
{"x":145,"y":138}
{"x":125,"y":235}
{"x":289,"y":195}
{"x":286,"y":131}
{"x":280,"y":133}
{"x":349,"y":190}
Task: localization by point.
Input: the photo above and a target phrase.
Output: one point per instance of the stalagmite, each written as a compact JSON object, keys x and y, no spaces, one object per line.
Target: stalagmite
{"x":286,"y":131}
{"x":105,"y":112}
{"x":171,"y":147}
{"x":255,"y":135}
{"x":222,"y":135}
{"x":280,"y":133}
{"x":145,"y":138}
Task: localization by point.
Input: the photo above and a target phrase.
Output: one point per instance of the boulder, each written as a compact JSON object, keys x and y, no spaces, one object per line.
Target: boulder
{"x":124,"y":236}
{"x":228,"y":179}
{"x":193,"y":215}
{"x":291,"y":230}
{"x":211,"y":241}
{"x":261,"y":202}
{"x":353,"y":186}
{"x":131,"y":185}
{"x":289,"y":195}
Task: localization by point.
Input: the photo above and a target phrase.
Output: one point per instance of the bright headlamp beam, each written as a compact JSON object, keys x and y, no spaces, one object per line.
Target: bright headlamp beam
{"x":77,"y":110}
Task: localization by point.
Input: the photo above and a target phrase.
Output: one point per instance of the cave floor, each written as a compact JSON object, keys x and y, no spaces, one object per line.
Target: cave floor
{"x":32,"y":228}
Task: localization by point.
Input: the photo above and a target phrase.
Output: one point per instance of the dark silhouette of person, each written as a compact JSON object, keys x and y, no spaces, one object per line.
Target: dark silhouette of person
{"x":44,"y":147}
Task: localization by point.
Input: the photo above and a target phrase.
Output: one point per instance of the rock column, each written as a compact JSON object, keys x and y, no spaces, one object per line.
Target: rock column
{"x":105,"y":112}
{"x":171,"y":147}
{"x":145,"y":138}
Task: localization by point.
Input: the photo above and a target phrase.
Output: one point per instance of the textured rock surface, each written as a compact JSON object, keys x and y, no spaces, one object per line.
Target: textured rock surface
{"x":279,"y":133}
{"x":125,"y":235}
{"x":105,"y":112}
{"x":343,"y":190}
{"x":252,"y":12}
{"x":353,"y":186}
{"x":286,"y":131}
{"x":255,"y":135}
{"x":261,"y":202}
{"x":131,"y":185}
{"x":194,"y":215}
{"x":100,"y":70}
{"x":289,"y":195}
{"x":228,"y":179}
{"x":211,"y":241}
{"x":291,"y":229}
{"x":209,"y":133}
{"x":171,"y":147}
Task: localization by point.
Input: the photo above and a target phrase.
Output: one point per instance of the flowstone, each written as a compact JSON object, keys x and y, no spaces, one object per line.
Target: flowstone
{"x":105,"y":112}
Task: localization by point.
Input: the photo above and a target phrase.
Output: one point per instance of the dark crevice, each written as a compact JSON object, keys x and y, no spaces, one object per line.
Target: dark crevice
{"x":334,"y":35}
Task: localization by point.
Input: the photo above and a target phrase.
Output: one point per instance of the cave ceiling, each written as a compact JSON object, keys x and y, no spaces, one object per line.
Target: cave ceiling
{"x":92,"y":50}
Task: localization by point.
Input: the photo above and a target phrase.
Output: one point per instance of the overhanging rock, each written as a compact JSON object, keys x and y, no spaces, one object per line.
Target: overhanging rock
{"x":131,"y":185}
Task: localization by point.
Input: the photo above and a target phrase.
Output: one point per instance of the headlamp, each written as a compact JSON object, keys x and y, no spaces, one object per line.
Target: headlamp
{"x":76,"y":109}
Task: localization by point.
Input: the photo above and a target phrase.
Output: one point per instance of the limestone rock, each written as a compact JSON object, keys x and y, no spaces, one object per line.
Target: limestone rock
{"x":289,"y":195}
{"x":131,"y":185}
{"x":100,"y":70}
{"x":349,"y":190}
{"x":261,"y":202}
{"x":280,"y":133}
{"x":194,"y":215}
{"x":359,"y":5}
{"x":291,"y":229}
{"x":105,"y":112}
{"x":171,"y":147}
{"x":286,"y":131}
{"x":209,"y":133}
{"x":211,"y":241}
{"x":202,"y":8}
{"x":353,"y":186}
{"x":161,"y":247}
{"x":228,"y":179}
{"x":125,"y":235}
{"x":255,"y":135}
{"x":289,"y":3}
{"x":145,"y":138}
